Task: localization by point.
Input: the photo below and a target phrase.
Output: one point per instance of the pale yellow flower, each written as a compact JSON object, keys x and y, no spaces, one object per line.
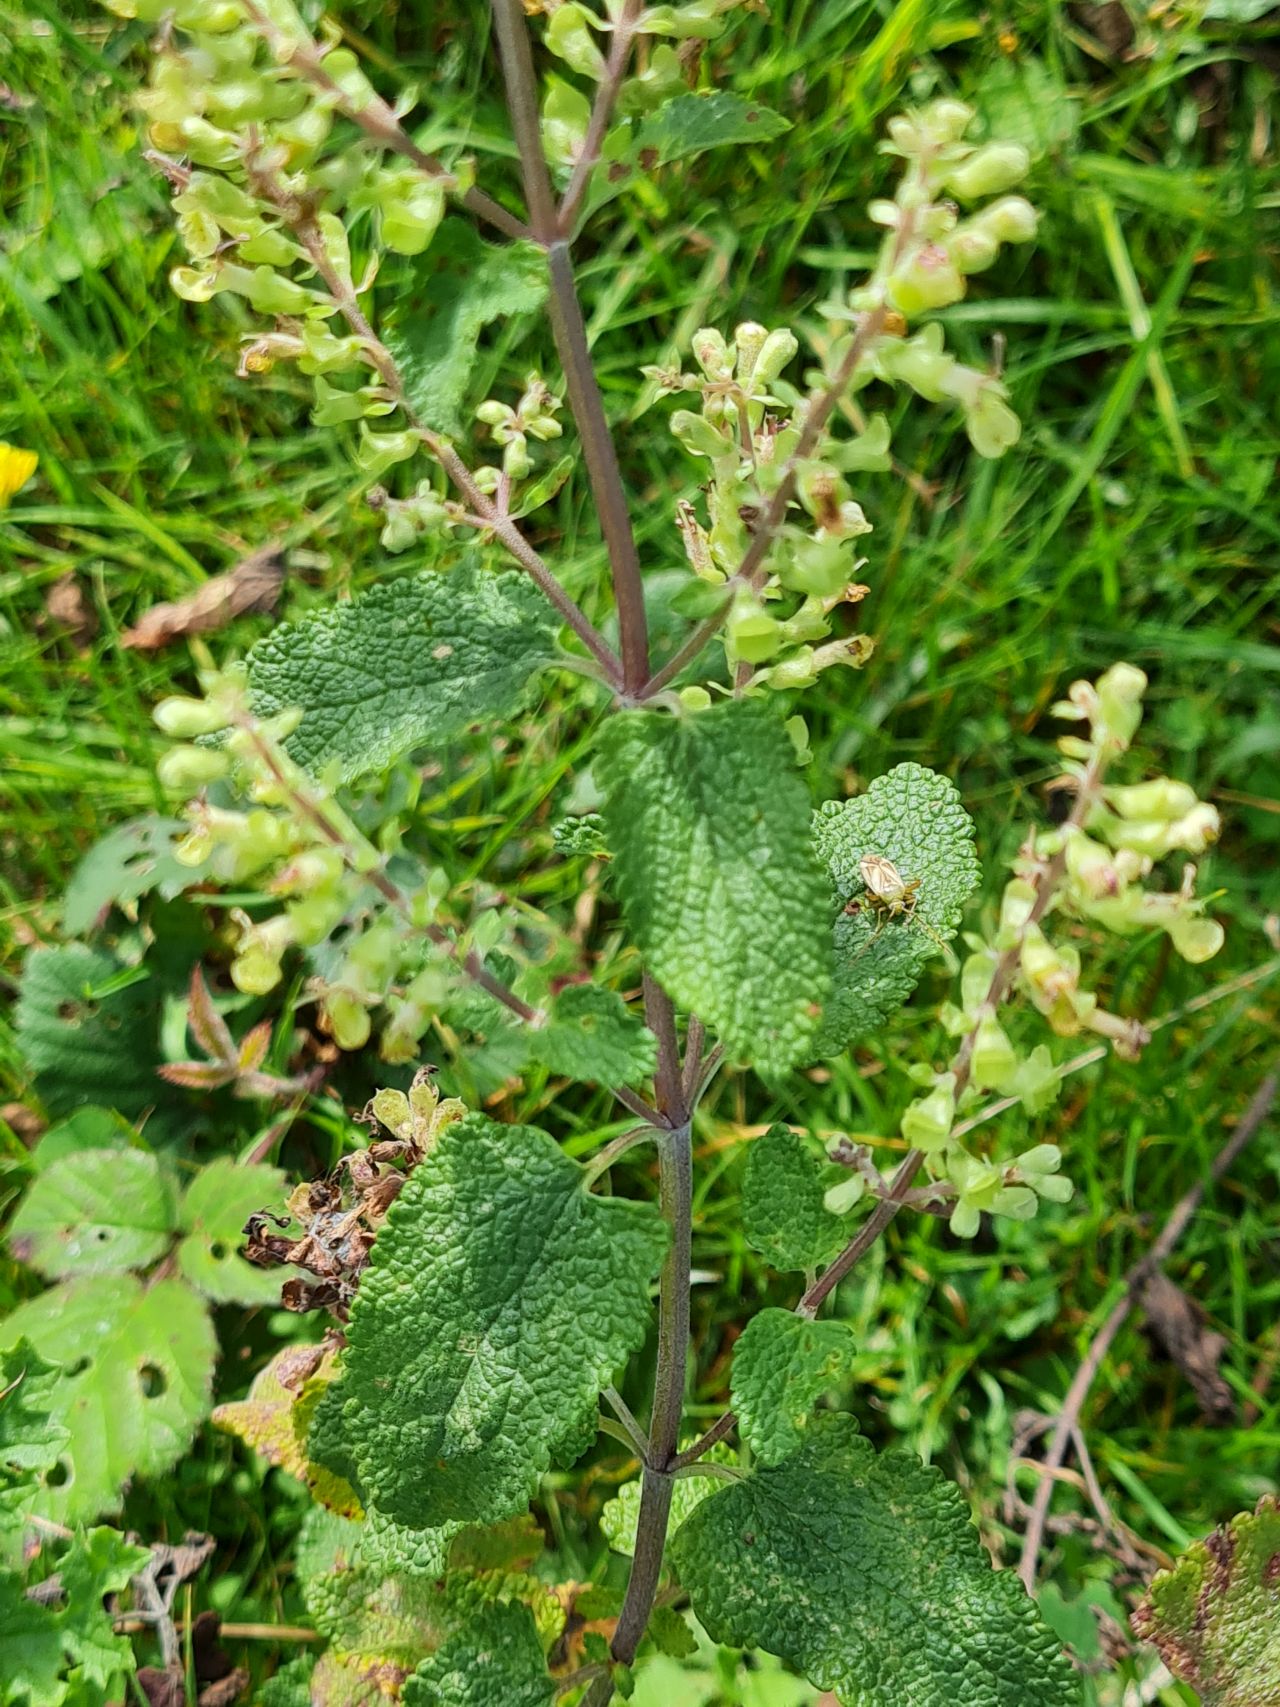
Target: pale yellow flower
{"x":16,"y":468}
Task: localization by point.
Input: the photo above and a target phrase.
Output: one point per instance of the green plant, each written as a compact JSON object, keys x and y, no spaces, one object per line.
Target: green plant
{"x":489,"y":1287}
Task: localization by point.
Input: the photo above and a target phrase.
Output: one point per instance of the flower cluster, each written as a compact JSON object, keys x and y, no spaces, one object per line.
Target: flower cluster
{"x":371,"y":945}
{"x":1091,"y":869}
{"x":760,"y":435}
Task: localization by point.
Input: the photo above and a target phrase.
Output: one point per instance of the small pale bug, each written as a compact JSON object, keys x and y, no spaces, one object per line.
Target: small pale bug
{"x":889,"y":895}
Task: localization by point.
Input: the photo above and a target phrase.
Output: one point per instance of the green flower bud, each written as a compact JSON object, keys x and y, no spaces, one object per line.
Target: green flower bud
{"x":928,"y":279}
{"x":972,"y":248}
{"x":186,"y":769}
{"x":754,"y":635}
{"x":1159,"y":798}
{"x":1010,"y":220}
{"x":868,"y":453}
{"x":345,"y":1018}
{"x":411,"y":210}
{"x":379,"y":450}
{"x":695,"y":698}
{"x":207,"y":144}
{"x":840,"y":1198}
{"x":566,"y":114}
{"x":712,"y":353}
{"x":1196,"y":939}
{"x":946,"y":120}
{"x":697,"y":435}
{"x":187,"y":718}
{"x":798,"y":734}
{"x":1119,"y":704}
{"x":256,"y":968}
{"x":269,"y":248}
{"x":927,"y":1122}
{"x":700,"y":20}
{"x":988,"y":171}
{"x":1016,"y":1202}
{"x":778,"y":349}
{"x":994,"y":1060}
{"x":272,"y":293}
{"x":569,"y":37}
{"x":796,"y":671}
{"x":342,"y":66}
{"x":991,"y":424}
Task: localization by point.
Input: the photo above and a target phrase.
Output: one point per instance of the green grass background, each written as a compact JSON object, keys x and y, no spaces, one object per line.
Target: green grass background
{"x":1135,"y":519}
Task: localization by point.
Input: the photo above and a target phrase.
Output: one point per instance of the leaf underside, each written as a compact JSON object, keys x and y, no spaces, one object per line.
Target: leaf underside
{"x":865,"y":1572}
{"x":1215,"y":1617}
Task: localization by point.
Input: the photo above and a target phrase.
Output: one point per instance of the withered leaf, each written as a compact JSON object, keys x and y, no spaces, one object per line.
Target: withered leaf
{"x":1178,"y":1326}
{"x":253,"y":585}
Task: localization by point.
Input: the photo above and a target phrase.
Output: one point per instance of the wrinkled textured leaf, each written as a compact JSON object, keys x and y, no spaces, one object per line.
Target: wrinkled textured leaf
{"x":913,"y":817}
{"x":409,"y":662}
{"x":495,"y":1662}
{"x":499,"y":1300}
{"x":691,"y":124}
{"x":291,"y":1685}
{"x":98,"y":1213}
{"x":462,"y":284}
{"x":620,"y":1516}
{"x":85,"y":1047}
{"x":707,"y":818}
{"x":1215,"y":1617}
{"x":782,"y":1365}
{"x":865,"y":1572}
{"x":274,"y":1417}
{"x":590,"y":1035}
{"x":782,"y":1210}
{"x":137,"y":1369}
{"x":134,"y":860}
{"x":216,"y":1206}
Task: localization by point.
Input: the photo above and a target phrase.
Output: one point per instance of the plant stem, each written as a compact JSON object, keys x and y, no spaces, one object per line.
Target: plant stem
{"x":624,"y":29}
{"x":569,"y":329}
{"x":820,"y":411}
{"x":675,"y":1165}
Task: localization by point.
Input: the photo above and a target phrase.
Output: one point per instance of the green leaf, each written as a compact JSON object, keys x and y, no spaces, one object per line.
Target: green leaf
{"x":914,"y":818}
{"x":691,"y":124}
{"x":620,"y":1516}
{"x":215,"y":1208}
{"x":137,"y":1370}
{"x":412,"y":661}
{"x":1215,"y":1617}
{"x":98,"y":1213}
{"x":782,"y":1365}
{"x":783,"y":1216}
{"x":495,"y":1662}
{"x":670,"y":1633}
{"x":87,"y":1129}
{"x":134,"y":860}
{"x":30,"y":1648}
{"x":100,"y":1563}
{"x":290,"y":1686}
{"x":89,"y":1037}
{"x":499,"y":1300}
{"x":462,"y":284}
{"x":590,"y":1035}
{"x":865,"y":1573}
{"x":707,"y":817}
{"x":30,"y":1442}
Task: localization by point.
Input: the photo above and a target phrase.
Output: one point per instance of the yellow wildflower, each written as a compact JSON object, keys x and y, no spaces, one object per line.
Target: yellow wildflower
{"x":16,"y":468}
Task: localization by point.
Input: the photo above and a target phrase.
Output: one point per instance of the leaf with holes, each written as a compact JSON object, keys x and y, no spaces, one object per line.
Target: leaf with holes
{"x":101,"y":1212}
{"x":89,"y":1037}
{"x":913,"y":818}
{"x":217,"y":1203}
{"x":590,"y":1035}
{"x":137,"y":1368}
{"x":412,"y":661}
{"x":101,"y":1563}
{"x":1215,"y":1617}
{"x":134,"y":860}
{"x":708,"y":817}
{"x":782,"y":1365}
{"x":30,"y":1441}
{"x":499,"y":1300}
{"x":865,"y":1572}
{"x":783,"y":1214}
{"x":460,"y":286}
{"x":495,"y":1661}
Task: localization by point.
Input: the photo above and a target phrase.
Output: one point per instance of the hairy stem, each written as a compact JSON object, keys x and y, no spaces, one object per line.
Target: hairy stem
{"x":569,"y":328}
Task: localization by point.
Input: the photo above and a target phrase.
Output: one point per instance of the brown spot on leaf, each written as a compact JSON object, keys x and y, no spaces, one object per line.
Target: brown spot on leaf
{"x":253,"y":585}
